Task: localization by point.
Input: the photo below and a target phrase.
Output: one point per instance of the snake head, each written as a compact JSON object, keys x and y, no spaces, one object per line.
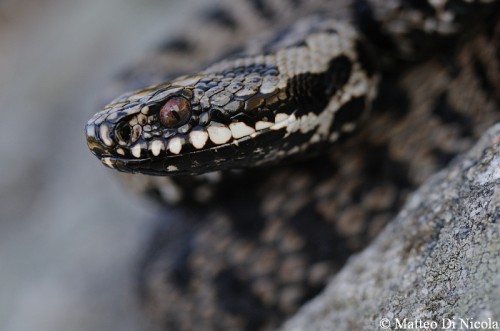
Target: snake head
{"x":193,"y":124}
{"x":244,"y":112}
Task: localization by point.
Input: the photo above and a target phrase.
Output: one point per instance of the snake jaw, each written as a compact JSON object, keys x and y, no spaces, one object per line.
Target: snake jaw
{"x":234,"y":153}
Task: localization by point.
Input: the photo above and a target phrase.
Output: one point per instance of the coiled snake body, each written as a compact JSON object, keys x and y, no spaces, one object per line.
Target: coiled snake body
{"x":243,"y":250}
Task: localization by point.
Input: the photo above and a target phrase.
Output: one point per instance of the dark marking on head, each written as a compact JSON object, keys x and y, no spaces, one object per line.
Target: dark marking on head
{"x":298,"y":89}
{"x":337,"y":75}
{"x":447,"y":114}
{"x":350,"y":112}
{"x":263,"y":9}
{"x":178,"y":45}
{"x":220,"y":16}
{"x":339,"y":71}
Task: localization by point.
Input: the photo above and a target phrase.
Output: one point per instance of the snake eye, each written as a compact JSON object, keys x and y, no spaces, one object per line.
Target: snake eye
{"x":175,"y":112}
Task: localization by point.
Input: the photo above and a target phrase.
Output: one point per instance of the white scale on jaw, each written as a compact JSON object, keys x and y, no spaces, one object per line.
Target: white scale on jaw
{"x":198,"y":138}
{"x":240,"y":129}
{"x":175,"y":145}
{"x":261,"y":125}
{"x":156,"y":146}
{"x":136,"y":150}
{"x":219,"y":134}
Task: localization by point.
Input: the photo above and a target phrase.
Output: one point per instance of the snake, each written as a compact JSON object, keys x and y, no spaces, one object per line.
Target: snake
{"x":293,"y":146}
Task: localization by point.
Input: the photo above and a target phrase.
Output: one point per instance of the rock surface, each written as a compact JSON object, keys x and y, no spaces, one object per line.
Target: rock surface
{"x":439,"y":260}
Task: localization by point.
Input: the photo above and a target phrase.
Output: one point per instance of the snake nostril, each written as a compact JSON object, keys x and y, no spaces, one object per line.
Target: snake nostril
{"x":124,"y":132}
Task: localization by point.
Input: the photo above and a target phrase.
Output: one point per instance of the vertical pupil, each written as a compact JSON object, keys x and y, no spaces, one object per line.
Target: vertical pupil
{"x":176,"y":115}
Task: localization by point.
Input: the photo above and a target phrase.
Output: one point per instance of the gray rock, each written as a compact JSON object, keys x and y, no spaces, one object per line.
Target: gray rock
{"x":439,"y":260}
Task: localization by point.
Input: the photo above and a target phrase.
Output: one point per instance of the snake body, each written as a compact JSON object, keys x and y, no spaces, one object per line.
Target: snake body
{"x":245,"y":250}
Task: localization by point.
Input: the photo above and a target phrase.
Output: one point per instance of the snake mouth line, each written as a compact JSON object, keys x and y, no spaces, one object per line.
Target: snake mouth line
{"x":246,"y":142}
{"x":141,"y":165}
{"x":123,"y":164}
{"x":188,"y":163}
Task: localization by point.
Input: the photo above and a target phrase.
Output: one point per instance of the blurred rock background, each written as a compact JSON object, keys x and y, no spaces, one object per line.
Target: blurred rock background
{"x":70,"y":236}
